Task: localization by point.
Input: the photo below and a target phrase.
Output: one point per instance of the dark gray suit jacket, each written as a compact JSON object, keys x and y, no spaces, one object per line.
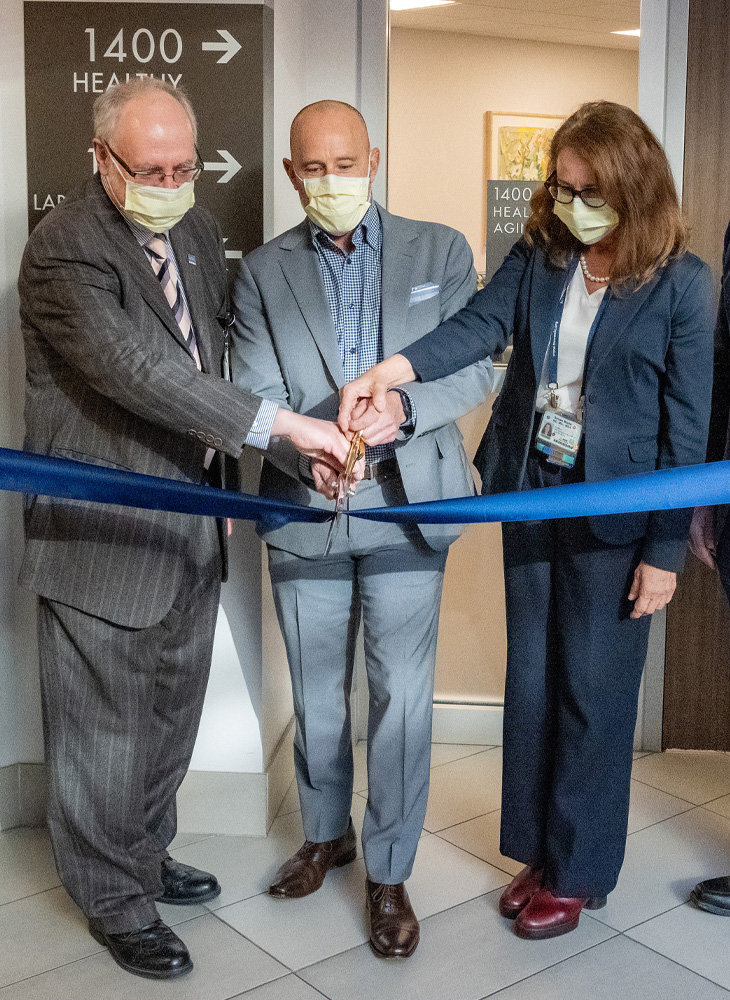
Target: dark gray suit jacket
{"x":110,"y":382}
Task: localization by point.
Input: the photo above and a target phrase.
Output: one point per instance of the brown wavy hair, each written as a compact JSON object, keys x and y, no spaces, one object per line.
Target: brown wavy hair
{"x":633,"y":175}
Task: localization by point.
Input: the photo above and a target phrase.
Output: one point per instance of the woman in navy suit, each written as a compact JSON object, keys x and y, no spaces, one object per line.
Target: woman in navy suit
{"x":611,"y":320}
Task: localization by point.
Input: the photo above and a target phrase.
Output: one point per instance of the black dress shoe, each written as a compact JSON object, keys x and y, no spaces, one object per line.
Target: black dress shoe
{"x":184,"y":886}
{"x":154,"y":952}
{"x":713,"y":895}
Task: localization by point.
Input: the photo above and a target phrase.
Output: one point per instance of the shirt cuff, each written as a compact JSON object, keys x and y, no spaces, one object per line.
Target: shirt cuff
{"x":260,"y":432}
{"x":407,"y":428}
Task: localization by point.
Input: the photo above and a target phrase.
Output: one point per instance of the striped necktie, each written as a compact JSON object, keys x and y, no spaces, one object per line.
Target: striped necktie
{"x":163,"y":264}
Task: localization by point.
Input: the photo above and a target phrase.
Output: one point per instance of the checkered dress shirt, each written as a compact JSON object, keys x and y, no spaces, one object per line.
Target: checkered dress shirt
{"x":352,"y":284}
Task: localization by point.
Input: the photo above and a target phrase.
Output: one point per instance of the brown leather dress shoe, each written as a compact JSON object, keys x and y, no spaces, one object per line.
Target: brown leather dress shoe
{"x":394,"y":931}
{"x":520,"y":891}
{"x":305,"y":872}
{"x":547,"y":916}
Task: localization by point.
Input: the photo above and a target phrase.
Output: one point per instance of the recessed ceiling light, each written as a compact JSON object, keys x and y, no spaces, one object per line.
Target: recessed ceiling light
{"x":413,"y":4}
{"x":636,"y":32}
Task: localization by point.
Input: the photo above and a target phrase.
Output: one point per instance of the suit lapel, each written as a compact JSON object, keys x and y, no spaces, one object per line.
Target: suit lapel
{"x":547,"y":285}
{"x":192,"y":279}
{"x":125,"y":241}
{"x":396,"y":283}
{"x":619,"y":313}
{"x":298,"y":260}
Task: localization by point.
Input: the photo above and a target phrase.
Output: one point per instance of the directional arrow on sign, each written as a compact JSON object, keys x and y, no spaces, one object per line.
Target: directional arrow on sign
{"x":232,"y":254}
{"x":230,"y":166}
{"x":229,"y":46}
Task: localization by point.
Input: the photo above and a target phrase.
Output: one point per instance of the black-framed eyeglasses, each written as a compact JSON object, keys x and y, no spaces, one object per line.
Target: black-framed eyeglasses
{"x":565,"y":194}
{"x":157,"y":178}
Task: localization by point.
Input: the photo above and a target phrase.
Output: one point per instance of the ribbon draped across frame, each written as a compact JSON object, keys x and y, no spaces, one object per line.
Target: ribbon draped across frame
{"x":691,"y":486}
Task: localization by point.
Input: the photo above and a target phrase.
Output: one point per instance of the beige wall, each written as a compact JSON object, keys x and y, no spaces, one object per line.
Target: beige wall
{"x":440,"y":87}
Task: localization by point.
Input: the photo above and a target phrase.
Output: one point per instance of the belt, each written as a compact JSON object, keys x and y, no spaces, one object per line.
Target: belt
{"x":382,"y":471}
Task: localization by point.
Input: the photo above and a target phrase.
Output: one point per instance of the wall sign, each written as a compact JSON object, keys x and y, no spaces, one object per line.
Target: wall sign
{"x":508,"y":209}
{"x":220,"y":53}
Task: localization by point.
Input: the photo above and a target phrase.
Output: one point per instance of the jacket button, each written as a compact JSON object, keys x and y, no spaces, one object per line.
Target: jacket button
{"x":217,"y":442}
{"x":200,"y":435}
{"x":192,"y":433}
{"x":591,"y":397}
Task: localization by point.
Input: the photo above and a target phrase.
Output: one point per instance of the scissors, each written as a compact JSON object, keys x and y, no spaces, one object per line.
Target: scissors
{"x":344,"y":487}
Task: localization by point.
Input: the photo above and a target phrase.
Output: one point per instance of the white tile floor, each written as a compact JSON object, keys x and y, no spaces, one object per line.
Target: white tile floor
{"x":647,"y":944}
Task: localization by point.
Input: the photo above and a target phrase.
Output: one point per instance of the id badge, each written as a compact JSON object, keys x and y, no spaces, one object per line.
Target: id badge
{"x":558,"y":438}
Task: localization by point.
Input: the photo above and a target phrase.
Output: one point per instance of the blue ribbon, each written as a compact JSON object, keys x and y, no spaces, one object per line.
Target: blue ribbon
{"x":667,"y":489}
{"x":690,"y":486}
{"x":22,"y":472}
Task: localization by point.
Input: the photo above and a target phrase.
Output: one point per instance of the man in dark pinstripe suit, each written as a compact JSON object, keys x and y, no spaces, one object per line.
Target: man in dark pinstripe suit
{"x":123,"y":303}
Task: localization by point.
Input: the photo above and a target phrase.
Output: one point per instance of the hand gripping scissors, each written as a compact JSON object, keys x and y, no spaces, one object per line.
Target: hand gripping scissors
{"x":344,"y":487}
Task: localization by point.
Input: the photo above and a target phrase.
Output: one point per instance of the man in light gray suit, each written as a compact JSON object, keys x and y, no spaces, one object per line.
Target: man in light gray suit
{"x":314,"y":307}
{"x":124,"y":313}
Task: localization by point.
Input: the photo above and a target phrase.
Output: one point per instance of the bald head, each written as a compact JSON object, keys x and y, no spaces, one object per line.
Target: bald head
{"x":328,"y":116}
{"x":329,"y":137}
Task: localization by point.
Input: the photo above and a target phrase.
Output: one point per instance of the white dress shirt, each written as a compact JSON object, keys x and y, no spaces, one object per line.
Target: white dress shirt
{"x":579,"y":312}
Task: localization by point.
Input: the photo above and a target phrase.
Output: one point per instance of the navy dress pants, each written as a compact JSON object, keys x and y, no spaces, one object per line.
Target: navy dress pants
{"x":574,"y":665}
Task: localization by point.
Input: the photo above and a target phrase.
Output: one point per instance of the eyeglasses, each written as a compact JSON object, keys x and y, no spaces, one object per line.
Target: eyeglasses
{"x":565,"y":194}
{"x":156,"y":177}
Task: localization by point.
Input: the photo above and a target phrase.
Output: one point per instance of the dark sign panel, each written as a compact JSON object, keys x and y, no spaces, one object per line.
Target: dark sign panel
{"x":219,"y":53}
{"x":508,"y":209}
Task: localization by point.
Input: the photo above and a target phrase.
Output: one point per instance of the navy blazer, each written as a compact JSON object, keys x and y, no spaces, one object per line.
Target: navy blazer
{"x":720,"y":415}
{"x":648,"y":381}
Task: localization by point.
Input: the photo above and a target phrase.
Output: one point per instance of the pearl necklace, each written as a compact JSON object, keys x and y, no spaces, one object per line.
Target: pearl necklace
{"x":592,"y":277}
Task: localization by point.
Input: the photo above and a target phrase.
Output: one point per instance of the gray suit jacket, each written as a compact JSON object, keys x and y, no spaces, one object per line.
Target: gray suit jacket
{"x":110,"y":382}
{"x":285,"y":348}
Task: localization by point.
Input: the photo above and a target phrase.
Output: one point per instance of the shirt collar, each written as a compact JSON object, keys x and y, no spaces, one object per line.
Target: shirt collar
{"x":370,"y":231}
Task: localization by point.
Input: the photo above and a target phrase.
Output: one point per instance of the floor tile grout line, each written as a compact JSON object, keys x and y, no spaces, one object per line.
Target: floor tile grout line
{"x":47,"y":972}
{"x":192,"y":843}
{"x":311,"y":987}
{"x":642,"y":781}
{"x":30,"y":895}
{"x":251,"y":942}
{"x":477,"y":856}
{"x":482,"y":749}
{"x":647,"y":784}
{"x":640,"y":922}
{"x":422,"y":921}
{"x":554,"y":965}
{"x":658,"y":822}
{"x":235,"y":996}
{"x":681,"y":965}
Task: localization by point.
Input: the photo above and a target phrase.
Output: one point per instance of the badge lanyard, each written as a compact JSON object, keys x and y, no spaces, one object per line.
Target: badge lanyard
{"x":559,"y":434}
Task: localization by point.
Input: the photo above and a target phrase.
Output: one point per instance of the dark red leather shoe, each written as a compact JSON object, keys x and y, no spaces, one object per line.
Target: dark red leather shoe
{"x":547,"y":916}
{"x":520,"y":891}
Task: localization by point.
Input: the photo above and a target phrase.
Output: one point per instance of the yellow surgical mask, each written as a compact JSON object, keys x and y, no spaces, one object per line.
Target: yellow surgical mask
{"x":157,"y":208}
{"x":588,"y":225}
{"x":337,"y":204}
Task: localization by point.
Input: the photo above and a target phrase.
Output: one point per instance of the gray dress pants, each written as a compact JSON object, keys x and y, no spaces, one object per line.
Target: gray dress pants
{"x":391,"y":579}
{"x":121,"y":708}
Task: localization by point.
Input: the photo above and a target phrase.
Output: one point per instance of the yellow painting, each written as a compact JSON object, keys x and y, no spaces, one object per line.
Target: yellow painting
{"x":518,"y":146}
{"x":523,"y":152}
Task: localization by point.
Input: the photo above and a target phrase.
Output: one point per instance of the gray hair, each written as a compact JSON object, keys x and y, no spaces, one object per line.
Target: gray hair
{"x":108,"y":106}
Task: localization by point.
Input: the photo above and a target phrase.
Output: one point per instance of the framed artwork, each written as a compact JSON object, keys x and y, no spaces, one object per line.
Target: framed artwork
{"x":518,"y":145}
